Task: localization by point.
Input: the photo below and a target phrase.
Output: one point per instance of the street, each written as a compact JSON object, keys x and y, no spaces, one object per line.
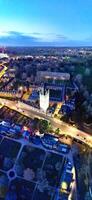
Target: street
{"x":31,"y":112}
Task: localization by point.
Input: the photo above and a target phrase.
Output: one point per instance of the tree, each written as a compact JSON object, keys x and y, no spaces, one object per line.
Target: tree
{"x":57,"y":131}
{"x":36,"y":124}
{"x":45,"y":126}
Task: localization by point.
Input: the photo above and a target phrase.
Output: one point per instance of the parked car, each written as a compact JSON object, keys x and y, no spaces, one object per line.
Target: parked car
{"x":49,"y":141}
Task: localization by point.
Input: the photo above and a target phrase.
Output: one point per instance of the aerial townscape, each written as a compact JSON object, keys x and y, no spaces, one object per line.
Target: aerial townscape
{"x":45,"y":100}
{"x":45,"y":123}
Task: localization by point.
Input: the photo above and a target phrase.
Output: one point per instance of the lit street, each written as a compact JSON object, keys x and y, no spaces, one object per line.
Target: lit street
{"x":65,"y":128}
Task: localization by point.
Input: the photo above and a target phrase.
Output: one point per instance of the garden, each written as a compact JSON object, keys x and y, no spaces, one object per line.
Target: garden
{"x":8,"y":152}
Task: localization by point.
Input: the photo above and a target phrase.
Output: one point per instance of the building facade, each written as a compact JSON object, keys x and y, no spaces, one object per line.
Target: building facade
{"x":44,"y":99}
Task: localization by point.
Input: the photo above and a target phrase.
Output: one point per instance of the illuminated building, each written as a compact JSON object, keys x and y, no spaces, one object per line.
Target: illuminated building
{"x":2,"y":70}
{"x":44,"y":99}
{"x":3,"y":55}
{"x":45,"y":75}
